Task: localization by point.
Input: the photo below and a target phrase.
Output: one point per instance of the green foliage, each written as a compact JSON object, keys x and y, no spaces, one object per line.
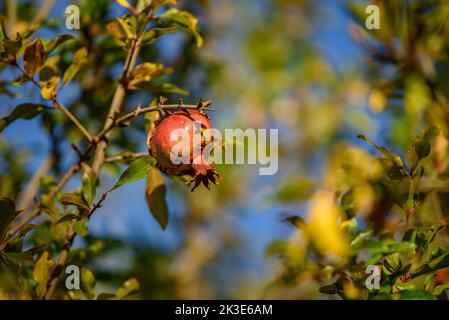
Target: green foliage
{"x":137,"y":170}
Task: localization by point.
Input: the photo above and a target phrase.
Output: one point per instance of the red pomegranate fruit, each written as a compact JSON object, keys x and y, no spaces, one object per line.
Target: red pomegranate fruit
{"x":160,"y":146}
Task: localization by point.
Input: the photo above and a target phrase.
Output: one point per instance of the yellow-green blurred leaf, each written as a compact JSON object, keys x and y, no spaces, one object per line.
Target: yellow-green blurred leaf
{"x":155,"y":196}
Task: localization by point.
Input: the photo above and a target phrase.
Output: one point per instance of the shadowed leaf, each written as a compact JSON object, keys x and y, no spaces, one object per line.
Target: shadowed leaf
{"x":155,"y":196}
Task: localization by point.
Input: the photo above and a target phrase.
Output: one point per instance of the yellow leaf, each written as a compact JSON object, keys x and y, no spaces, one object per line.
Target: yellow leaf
{"x":48,"y":90}
{"x":42,"y":273}
{"x":145,"y":72}
{"x":126,"y":4}
{"x":377,"y":101}
{"x":323,"y":227}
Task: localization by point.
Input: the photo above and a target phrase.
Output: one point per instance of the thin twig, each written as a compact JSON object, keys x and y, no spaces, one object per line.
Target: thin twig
{"x":44,"y":10}
{"x":31,"y":190}
{"x":11,"y":11}
{"x":59,"y":106}
{"x":139,"y":111}
{"x":126,"y":156}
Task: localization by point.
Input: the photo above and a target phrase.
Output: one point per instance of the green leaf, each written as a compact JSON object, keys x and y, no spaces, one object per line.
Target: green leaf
{"x":89,"y":179}
{"x":276,"y":248}
{"x":10,"y":49}
{"x":80,"y":227}
{"x":34,"y":57}
{"x":79,"y":58}
{"x":416,"y":295}
{"x":295,"y":190}
{"x":48,"y":206}
{"x":22,"y":111}
{"x":420,"y":148}
{"x":68,"y":217}
{"x":360,"y":238}
{"x":397,"y":161}
{"x":53,"y":44}
{"x":7,"y":215}
{"x":155,"y":196}
{"x":434,"y":229}
{"x":440,"y":289}
{"x":165,"y":87}
{"x":73,"y":199}
{"x":184,"y":21}
{"x":106,"y":296}
{"x":439,"y":259}
{"x":18,"y":258}
{"x":88,"y":282}
{"x":42,"y":273}
{"x":329,"y":289}
{"x":129,"y":287}
{"x":154,"y":34}
{"x":138,"y":169}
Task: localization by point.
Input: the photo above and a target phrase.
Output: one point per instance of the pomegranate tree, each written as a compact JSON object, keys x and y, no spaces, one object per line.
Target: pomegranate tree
{"x":161,"y":146}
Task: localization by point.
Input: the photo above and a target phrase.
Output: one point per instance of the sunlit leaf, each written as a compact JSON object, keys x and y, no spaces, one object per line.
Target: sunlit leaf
{"x":137,"y":170}
{"x":393,"y":157}
{"x":185,"y":21}
{"x":125,"y":4}
{"x":79,"y":58}
{"x":145,"y":72}
{"x":53,"y":44}
{"x":80,"y":227}
{"x":89,"y":179}
{"x":129,"y":287}
{"x":88,"y":283}
{"x":49,"y":88}
{"x":42,"y":273}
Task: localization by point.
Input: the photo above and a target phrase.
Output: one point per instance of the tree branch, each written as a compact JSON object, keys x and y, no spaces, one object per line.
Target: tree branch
{"x":126,"y":156}
{"x":44,"y":10}
{"x":116,"y":106}
{"x":33,"y":186}
{"x":59,"y":106}
{"x":98,"y":161}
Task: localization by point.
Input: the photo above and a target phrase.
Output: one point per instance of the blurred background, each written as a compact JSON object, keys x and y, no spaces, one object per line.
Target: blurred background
{"x":291,"y":65}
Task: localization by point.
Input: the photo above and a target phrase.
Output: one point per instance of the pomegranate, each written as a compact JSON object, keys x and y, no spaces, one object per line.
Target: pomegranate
{"x":160,"y":146}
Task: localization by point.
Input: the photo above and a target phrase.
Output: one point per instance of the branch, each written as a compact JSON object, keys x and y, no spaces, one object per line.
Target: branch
{"x":58,"y":105}
{"x":44,"y":10}
{"x":98,"y":160}
{"x":75,"y":121}
{"x":126,"y":156}
{"x":33,"y":186}
{"x":139,"y":111}
{"x":11,"y":11}
{"x":116,"y":106}
{"x":36,"y":211}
